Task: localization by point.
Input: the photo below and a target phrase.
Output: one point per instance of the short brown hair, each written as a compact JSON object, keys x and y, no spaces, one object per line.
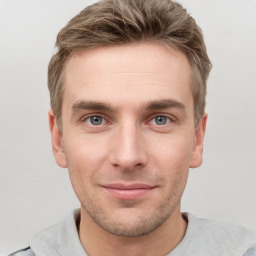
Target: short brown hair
{"x":115,"y":22}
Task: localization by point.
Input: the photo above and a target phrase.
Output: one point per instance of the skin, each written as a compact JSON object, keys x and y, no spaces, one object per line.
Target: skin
{"x":142,"y":139}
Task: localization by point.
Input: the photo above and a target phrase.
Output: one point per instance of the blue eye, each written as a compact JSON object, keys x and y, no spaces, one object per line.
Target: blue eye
{"x":161,"y":120}
{"x":95,"y":120}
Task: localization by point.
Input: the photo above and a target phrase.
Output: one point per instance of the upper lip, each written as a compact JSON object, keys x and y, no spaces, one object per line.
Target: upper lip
{"x":123,"y":186}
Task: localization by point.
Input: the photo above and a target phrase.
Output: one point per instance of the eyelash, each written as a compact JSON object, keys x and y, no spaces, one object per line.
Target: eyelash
{"x":104,"y":121}
{"x":168,"y":120}
{"x":95,"y":115}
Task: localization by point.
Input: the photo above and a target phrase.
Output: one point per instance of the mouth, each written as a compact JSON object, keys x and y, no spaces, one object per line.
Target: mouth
{"x":128,"y":191}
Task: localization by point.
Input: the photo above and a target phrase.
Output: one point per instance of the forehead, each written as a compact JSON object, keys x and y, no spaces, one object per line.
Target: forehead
{"x":138,"y":72}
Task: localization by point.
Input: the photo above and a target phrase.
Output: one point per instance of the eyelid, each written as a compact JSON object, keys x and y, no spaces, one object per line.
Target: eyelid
{"x":87,"y":116}
{"x":168,"y":121}
{"x":90,"y":121}
{"x":149,"y":119}
{"x":169,"y":116}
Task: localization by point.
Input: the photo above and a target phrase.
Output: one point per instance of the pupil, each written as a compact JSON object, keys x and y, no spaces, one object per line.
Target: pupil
{"x":96,"y":120}
{"x":161,"y":120}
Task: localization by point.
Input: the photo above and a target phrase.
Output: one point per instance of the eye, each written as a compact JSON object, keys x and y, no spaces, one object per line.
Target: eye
{"x":95,"y":120}
{"x":161,"y":120}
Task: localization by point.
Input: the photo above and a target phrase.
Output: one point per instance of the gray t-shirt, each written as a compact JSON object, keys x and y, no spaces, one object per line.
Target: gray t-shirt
{"x":203,"y":238}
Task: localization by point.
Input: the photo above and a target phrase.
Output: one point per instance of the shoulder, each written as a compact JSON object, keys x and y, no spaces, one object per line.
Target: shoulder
{"x":23,"y":252}
{"x":219,"y":236}
{"x":251,"y":251}
{"x":59,"y":239}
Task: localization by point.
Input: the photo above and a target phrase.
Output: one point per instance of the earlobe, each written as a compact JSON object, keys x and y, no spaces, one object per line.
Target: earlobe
{"x":56,"y":138}
{"x":197,"y":154}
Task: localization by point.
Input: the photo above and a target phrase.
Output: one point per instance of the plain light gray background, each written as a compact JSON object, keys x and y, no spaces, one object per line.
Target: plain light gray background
{"x":36,"y":193}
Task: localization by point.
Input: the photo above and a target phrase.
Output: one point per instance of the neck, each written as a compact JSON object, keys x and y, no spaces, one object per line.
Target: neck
{"x":161,"y":241}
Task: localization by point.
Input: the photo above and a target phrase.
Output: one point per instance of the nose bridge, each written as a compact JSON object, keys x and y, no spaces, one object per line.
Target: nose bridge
{"x":127,"y":148}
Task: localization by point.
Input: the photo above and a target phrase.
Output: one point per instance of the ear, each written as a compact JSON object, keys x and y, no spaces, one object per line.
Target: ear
{"x":197,"y":154}
{"x":57,"y":143}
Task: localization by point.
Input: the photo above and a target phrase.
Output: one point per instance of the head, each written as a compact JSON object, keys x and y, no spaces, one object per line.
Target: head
{"x":128,"y":86}
{"x":115,"y":22}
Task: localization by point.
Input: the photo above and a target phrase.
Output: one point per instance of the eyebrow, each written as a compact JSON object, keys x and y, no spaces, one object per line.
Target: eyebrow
{"x":91,"y":105}
{"x":163,"y":104}
{"x":152,"y":105}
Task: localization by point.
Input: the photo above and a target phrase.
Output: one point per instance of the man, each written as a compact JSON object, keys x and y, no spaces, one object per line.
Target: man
{"x":127,"y":87}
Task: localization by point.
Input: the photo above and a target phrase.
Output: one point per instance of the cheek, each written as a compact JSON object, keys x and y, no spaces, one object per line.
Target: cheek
{"x":84,"y":159}
{"x":173,"y":151}
{"x":84,"y":152}
{"x":173,"y":164}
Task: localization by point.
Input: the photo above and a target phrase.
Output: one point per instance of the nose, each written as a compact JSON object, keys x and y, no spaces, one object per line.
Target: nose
{"x":127,"y":148}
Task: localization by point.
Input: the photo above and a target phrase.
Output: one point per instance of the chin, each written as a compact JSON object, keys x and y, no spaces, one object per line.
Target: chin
{"x":129,"y":222}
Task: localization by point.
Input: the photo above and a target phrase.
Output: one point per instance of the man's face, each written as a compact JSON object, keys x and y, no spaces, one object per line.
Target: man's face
{"x":128,"y":134}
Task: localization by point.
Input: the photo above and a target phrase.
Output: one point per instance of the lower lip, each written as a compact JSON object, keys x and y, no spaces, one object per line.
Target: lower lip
{"x":129,"y":194}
